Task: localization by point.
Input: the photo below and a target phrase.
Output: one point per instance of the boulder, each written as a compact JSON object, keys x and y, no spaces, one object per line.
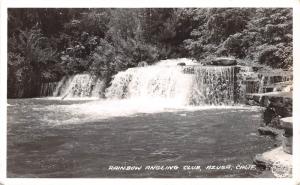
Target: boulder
{"x":275,"y":158}
{"x":222,"y":62}
{"x":280,"y":102}
{"x":181,"y":64}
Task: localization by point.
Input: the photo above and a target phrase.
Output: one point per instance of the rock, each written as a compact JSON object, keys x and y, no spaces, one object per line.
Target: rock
{"x":287,"y":144}
{"x":252,"y":103}
{"x":269,"y":131}
{"x":276,"y":157}
{"x":287,"y":141}
{"x":142,"y":64}
{"x":288,"y":88}
{"x":286,"y":123}
{"x":278,"y":87}
{"x":268,"y":115}
{"x":276,"y":103}
{"x":272,"y":78}
{"x":260,"y":162}
{"x":222,"y":62}
{"x":181,"y":64}
{"x":256,"y":68}
{"x":189,"y":70}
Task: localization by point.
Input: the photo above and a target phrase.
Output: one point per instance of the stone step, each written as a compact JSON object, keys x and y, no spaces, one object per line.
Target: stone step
{"x":286,"y":123}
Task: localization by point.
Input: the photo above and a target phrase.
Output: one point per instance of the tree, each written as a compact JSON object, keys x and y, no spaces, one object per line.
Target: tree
{"x":30,"y":55}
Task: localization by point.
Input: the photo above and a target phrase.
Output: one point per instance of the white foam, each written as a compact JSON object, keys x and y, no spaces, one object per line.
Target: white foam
{"x":106,"y":109}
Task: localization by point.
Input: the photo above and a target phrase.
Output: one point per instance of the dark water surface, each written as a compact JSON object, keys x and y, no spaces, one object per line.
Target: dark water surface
{"x":182,"y":138}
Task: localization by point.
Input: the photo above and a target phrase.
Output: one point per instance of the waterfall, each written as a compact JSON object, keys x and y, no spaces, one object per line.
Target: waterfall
{"x":213,"y":86}
{"x":75,"y":86}
{"x":47,"y":89}
{"x":173,"y":82}
{"x":153,"y":82}
{"x":169,"y":85}
{"x":205,"y":85}
{"x":80,"y":85}
{"x":63,"y":84}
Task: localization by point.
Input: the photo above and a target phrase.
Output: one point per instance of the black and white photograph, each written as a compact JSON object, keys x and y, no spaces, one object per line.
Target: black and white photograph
{"x":203,"y":92}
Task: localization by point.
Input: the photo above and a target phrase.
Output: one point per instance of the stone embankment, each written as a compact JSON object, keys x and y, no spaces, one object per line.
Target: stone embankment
{"x":279,"y":159}
{"x":274,"y":93}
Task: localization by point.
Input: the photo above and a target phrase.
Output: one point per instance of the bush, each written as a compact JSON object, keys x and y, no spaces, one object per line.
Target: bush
{"x":278,"y":56}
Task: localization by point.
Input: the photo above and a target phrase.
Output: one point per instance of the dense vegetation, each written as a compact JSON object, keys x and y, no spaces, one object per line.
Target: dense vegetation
{"x":46,"y":44}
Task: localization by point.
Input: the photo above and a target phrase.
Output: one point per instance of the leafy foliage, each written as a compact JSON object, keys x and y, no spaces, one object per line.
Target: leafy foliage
{"x":30,"y":60}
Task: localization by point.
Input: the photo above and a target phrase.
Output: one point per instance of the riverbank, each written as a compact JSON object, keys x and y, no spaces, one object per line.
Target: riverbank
{"x":278,"y":124}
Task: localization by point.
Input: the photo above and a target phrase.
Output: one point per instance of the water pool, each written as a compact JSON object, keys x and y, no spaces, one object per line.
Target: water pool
{"x":38,"y":147}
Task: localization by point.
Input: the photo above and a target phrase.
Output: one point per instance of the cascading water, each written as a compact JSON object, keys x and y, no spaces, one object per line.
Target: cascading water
{"x":63,"y":84}
{"x":213,"y":86}
{"x":166,"y":83}
{"x":165,"y":86}
{"x":81,"y":85}
{"x":76,"y":86}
